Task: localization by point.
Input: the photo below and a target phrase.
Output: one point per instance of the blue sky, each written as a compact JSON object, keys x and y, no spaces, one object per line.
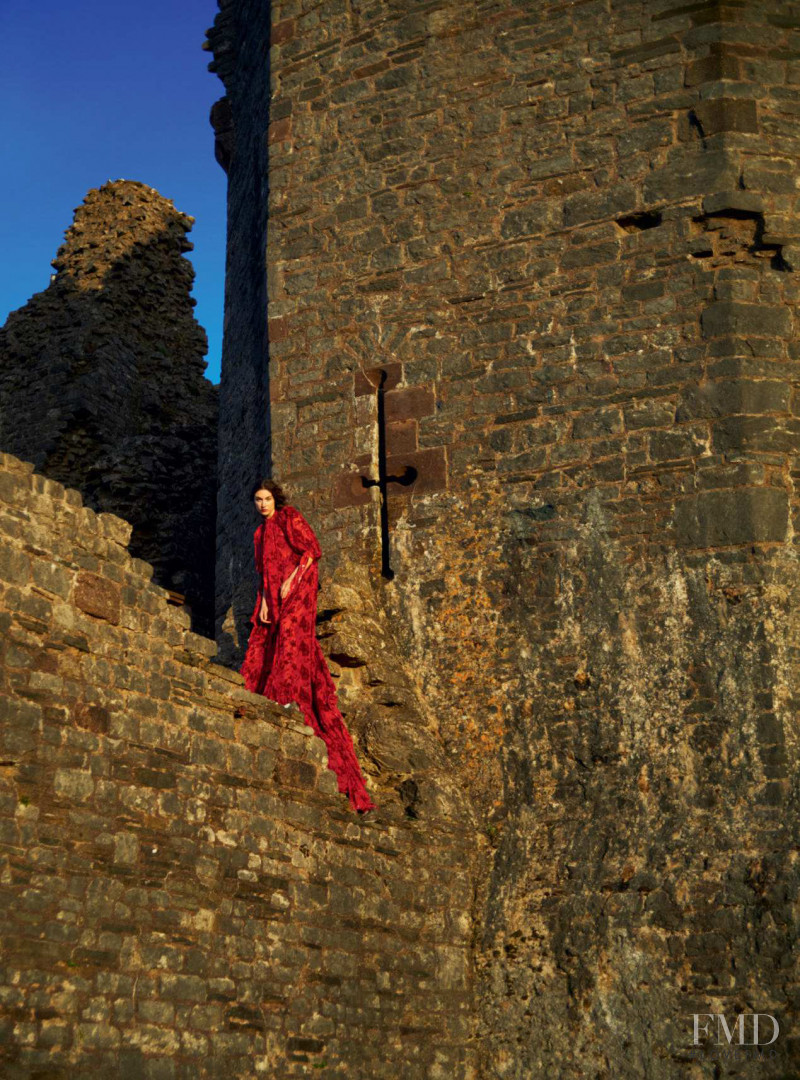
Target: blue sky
{"x":94,"y":91}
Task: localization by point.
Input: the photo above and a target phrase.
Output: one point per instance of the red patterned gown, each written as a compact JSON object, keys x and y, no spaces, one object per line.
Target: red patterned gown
{"x":284,"y":661}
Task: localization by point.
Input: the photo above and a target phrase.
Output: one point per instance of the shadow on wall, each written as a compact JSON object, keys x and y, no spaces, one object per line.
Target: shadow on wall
{"x":102,"y":385}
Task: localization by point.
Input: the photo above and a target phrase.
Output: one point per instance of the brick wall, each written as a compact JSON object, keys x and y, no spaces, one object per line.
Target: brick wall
{"x":184,"y":892}
{"x":555,"y":244}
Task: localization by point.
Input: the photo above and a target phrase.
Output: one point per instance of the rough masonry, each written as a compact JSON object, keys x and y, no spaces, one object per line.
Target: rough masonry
{"x":102,"y":384}
{"x":545,"y":255}
{"x":244,"y":381}
{"x":184,"y":892}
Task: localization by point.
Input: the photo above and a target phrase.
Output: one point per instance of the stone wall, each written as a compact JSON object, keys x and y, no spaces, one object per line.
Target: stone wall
{"x":241,"y":60}
{"x":184,"y":891}
{"x":544,"y":255}
{"x":102,"y":384}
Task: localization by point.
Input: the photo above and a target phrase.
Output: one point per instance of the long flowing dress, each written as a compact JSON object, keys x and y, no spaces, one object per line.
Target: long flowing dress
{"x":284,"y":661}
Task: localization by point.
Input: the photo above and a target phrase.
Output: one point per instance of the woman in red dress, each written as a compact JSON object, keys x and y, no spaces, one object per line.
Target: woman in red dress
{"x":284,"y":661}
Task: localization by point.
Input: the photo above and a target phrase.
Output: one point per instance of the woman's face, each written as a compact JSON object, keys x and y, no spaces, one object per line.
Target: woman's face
{"x":265,"y":502}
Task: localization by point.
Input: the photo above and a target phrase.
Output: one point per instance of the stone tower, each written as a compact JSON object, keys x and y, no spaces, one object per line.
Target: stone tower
{"x":102,"y":383}
{"x":531,"y":299}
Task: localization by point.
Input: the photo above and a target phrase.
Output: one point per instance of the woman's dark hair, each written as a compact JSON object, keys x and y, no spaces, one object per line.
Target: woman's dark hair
{"x":265,"y":484}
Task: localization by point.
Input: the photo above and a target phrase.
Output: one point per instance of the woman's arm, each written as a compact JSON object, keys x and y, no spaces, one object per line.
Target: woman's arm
{"x":261,"y":610}
{"x":300,"y":537}
{"x":296,"y":574}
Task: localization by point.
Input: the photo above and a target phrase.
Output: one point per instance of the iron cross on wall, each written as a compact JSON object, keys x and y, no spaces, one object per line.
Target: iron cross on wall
{"x":407,"y":477}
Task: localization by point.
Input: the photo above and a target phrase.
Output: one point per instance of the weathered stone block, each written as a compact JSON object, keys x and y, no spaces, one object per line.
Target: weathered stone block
{"x":769,"y":176}
{"x":74,"y":784}
{"x":657,"y":412}
{"x":411,"y":403}
{"x":759,"y":320}
{"x":744,"y":516}
{"x":280,"y":130}
{"x":51,"y":577}
{"x":737,"y":201}
{"x":688,"y":173}
{"x":401,"y":437}
{"x":755,"y":433}
{"x":15,"y":565}
{"x":675,"y":445}
{"x":13,"y":489}
{"x":431,"y":466}
{"x":29,"y":605}
{"x":115,"y":528}
{"x":727,"y":114}
{"x":527,"y":221}
{"x":600,"y":206}
{"x":350,"y":490}
{"x":723,"y":397}
{"x":98,"y":1036}
{"x":183,"y":988}
{"x":601,"y":422}
{"x":98,"y":597}
{"x":207,"y":752}
{"x":126,"y":849}
{"x":21,"y":725}
{"x":291,"y":773}
{"x":91,"y":717}
{"x":720,"y":65}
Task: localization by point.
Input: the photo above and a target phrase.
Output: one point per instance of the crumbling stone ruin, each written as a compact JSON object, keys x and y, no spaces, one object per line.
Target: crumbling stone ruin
{"x":102,"y":384}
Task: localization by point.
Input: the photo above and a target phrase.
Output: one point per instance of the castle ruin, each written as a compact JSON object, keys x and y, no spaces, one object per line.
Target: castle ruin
{"x":102,"y":384}
{"x":511,"y":310}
